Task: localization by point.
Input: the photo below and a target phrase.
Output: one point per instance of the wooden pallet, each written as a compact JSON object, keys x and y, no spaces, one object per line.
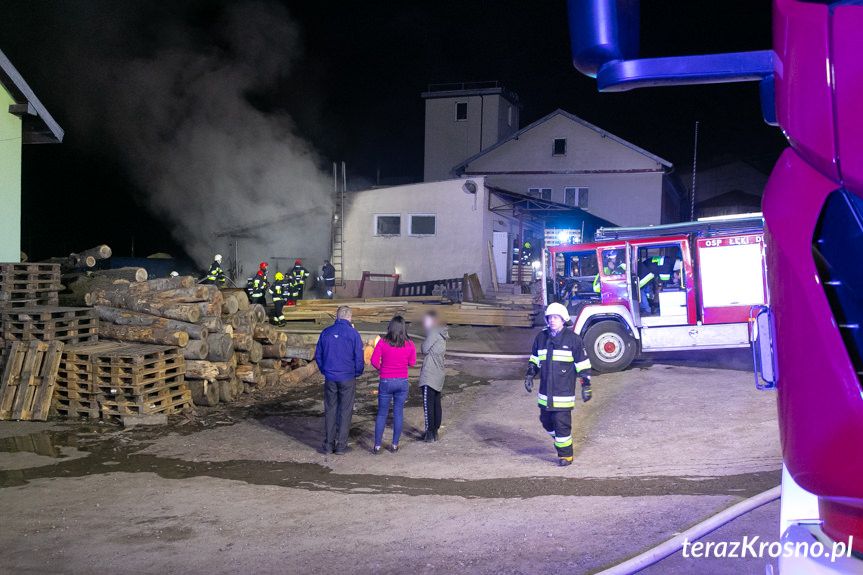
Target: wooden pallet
{"x":75,"y":407}
{"x":72,"y":325}
{"x":144,"y":390}
{"x":29,"y":378}
{"x":172,"y":402}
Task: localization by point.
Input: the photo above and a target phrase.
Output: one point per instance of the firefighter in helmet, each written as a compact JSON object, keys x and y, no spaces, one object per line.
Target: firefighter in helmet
{"x":300,"y":274}
{"x":215,"y":275}
{"x":258,"y":285}
{"x":559,"y":358}
{"x":279,"y":293}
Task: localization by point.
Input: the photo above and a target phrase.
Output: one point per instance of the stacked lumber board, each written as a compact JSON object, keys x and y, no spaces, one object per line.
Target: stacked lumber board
{"x":109,"y":380}
{"x":29,"y":379}
{"x":29,"y":284}
{"x":512,"y":311}
{"x":70,"y":325}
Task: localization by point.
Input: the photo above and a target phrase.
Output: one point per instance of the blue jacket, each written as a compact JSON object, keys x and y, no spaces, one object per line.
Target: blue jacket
{"x":339,"y":353}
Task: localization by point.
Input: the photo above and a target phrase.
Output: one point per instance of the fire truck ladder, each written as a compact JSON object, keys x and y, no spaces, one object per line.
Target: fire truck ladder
{"x":338,"y":237}
{"x":703,"y":228}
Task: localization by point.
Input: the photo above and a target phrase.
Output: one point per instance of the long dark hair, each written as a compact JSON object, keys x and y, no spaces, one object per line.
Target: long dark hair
{"x":397,"y":332}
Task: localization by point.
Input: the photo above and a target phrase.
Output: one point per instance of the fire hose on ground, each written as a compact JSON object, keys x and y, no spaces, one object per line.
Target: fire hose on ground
{"x":673,"y":545}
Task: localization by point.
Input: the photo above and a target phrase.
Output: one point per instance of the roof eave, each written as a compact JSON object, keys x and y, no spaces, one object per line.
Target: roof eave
{"x":39,"y":127}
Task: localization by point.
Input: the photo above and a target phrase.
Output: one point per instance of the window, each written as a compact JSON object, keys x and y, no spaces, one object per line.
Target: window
{"x":575,"y":197}
{"x":559,"y":147}
{"x":460,"y":111}
{"x":422,"y":224}
{"x":613,"y":263}
{"x":388,"y":224}
{"x":542,"y":193}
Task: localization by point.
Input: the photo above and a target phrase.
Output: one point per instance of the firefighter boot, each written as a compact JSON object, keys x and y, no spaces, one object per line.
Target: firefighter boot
{"x":564,"y":461}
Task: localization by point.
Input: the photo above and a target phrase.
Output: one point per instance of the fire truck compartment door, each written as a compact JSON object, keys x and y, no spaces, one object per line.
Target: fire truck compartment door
{"x":681,"y":337}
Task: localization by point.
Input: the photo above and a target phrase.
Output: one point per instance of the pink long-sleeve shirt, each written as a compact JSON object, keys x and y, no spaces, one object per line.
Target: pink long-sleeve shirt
{"x":393,"y":362}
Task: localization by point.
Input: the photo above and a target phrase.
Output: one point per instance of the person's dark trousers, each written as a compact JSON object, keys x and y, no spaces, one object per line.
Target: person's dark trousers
{"x":431,"y":408}
{"x":558,"y":424}
{"x":395,"y":391}
{"x":338,"y":410}
{"x":259,"y":299}
{"x":277,"y":308}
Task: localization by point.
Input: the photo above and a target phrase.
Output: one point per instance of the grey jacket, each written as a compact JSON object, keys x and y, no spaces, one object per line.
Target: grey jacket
{"x":433,"y":371}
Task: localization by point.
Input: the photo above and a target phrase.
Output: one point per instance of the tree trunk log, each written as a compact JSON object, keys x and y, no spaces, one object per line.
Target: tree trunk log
{"x":179,"y":311}
{"x":293,"y":340}
{"x":306,"y":352}
{"x":196,"y":349}
{"x":204,"y":393}
{"x":227,"y":390}
{"x":256,"y":352}
{"x":240,"y":295}
{"x":242,"y":341}
{"x":271,"y":363}
{"x":208,"y":308}
{"x":162,"y":284}
{"x":148,"y":334}
{"x":230,"y":305}
{"x":266,"y":333}
{"x":221,"y":347}
{"x":276,"y":350}
{"x":194,"y":294}
{"x":242,"y":357}
{"x":131,"y":318}
{"x":249,"y":373}
{"x":201,"y":370}
{"x":213,"y":324}
{"x":84,"y":258}
{"x":131,"y":274}
{"x":300,"y":373}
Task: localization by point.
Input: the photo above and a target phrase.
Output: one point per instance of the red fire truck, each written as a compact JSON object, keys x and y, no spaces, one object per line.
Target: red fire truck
{"x":661,"y":288}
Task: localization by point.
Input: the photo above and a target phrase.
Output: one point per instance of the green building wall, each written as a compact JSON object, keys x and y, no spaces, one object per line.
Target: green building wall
{"x":10,"y":181}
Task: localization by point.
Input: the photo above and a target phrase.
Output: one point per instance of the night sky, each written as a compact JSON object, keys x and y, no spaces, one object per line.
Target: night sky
{"x":354,"y":92}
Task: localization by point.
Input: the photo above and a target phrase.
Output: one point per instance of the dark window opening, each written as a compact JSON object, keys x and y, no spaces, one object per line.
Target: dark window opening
{"x":559,"y":147}
{"x":460,"y":111}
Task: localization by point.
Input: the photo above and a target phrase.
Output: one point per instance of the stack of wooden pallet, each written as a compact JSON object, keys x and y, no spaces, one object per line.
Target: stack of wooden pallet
{"x":29,"y":378}
{"x":70,"y":325}
{"x":29,"y":284}
{"x":370,"y":310}
{"x":109,"y":380}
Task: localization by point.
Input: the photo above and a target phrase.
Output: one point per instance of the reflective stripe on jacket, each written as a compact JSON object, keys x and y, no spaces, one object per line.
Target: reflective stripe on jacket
{"x":558,"y":360}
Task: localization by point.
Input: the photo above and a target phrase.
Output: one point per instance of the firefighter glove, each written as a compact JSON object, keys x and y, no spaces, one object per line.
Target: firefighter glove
{"x":528,"y":384}
{"x":586,"y":391}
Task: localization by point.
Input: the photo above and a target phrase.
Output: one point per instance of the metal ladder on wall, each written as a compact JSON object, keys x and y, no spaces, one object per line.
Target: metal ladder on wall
{"x":338,"y":236}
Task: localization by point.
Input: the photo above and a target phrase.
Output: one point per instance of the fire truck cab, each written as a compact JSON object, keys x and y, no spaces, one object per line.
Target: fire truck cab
{"x":661,"y":288}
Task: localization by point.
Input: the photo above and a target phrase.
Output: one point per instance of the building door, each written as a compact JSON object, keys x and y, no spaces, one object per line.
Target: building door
{"x":501,"y":247}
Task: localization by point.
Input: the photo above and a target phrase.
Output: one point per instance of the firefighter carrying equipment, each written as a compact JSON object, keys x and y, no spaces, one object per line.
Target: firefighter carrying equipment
{"x":216,"y":275}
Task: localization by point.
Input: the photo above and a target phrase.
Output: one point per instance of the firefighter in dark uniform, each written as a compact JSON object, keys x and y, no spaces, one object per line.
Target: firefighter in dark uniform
{"x":328,"y":274}
{"x":279,"y":294}
{"x":300,"y":274}
{"x":258,"y":286}
{"x":559,"y":358}
{"x":216,"y":275}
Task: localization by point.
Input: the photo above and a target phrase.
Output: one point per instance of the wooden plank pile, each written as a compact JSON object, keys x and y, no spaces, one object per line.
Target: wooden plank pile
{"x":228,"y":345}
{"x":29,"y":378}
{"x":370,"y":310}
{"x":29,"y":284}
{"x":109,"y":380}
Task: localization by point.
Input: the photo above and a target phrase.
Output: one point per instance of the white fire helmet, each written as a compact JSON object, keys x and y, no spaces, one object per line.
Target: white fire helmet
{"x":219,"y":258}
{"x":557,"y":309}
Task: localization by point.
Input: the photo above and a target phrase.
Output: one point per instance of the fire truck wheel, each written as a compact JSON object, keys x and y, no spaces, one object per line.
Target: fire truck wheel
{"x":610,"y":346}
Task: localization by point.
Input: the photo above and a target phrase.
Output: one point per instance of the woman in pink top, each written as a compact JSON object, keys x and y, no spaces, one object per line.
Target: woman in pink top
{"x":391,"y":357}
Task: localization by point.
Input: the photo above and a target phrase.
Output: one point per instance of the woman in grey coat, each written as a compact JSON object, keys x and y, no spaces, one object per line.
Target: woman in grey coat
{"x":433,"y":373}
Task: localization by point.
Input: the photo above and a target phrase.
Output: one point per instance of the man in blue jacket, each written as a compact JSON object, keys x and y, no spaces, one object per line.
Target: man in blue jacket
{"x":339,"y":356}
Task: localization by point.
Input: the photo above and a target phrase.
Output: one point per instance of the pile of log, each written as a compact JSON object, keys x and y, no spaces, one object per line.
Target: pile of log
{"x":228,"y":345}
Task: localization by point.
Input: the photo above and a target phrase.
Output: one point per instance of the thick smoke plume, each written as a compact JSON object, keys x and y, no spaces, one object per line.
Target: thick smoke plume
{"x":182,"y":106}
